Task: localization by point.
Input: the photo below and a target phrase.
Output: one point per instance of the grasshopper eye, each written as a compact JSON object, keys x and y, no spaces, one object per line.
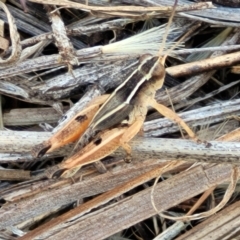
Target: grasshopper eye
{"x":158,"y":71}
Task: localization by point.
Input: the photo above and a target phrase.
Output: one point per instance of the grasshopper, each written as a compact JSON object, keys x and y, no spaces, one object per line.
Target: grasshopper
{"x":119,"y":117}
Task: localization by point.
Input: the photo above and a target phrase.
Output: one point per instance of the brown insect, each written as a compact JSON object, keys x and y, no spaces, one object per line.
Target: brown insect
{"x":118,"y":120}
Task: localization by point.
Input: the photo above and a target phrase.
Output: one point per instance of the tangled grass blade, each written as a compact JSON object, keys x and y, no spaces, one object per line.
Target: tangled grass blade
{"x":146,"y":42}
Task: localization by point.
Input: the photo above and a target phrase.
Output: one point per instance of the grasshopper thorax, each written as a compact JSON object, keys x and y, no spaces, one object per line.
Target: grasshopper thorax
{"x":153,"y":70}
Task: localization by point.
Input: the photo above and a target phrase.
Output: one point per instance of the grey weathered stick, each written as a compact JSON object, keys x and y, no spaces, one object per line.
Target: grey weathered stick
{"x":30,"y":116}
{"x":142,"y":148}
{"x":217,"y":152}
{"x":62,"y":42}
{"x":56,"y":85}
{"x":203,"y":65}
{"x":15,"y":38}
{"x":14,"y":175}
{"x":102,"y":199}
{"x":207,"y":49}
{"x":80,"y":30}
{"x":138,"y":9}
{"x":20,"y":141}
{"x":213,"y":226}
{"x":63,"y":192}
{"x":16,"y":146}
{"x":183,"y":90}
{"x":138,"y":207}
{"x":224,"y":16}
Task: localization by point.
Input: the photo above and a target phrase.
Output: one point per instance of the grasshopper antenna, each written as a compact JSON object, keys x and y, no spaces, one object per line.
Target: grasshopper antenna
{"x":162,"y":59}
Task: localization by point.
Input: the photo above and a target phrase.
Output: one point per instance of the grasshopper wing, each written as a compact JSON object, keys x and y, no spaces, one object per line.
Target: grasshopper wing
{"x":72,"y":130}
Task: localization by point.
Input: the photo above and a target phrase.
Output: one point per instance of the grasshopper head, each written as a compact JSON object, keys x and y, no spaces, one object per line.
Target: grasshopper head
{"x":158,"y":74}
{"x":162,"y":59}
{"x":151,"y":66}
{"x":159,"y":69}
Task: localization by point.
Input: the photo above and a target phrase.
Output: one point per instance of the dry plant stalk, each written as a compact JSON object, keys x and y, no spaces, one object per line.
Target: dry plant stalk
{"x":65,"y":47}
{"x":201,"y":66}
{"x":70,"y":4}
{"x":139,"y":206}
{"x":215,"y":175}
{"x":217,"y":226}
{"x":100,"y":200}
{"x":15,"y":38}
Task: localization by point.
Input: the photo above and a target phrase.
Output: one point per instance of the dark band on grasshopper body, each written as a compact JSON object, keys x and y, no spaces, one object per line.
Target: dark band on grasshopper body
{"x":120,"y":103}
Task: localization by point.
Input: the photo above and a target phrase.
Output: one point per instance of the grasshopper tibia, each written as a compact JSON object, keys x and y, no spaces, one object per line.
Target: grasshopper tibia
{"x":107,"y":142}
{"x":58,"y":173}
{"x":166,"y":112}
{"x":40,"y":149}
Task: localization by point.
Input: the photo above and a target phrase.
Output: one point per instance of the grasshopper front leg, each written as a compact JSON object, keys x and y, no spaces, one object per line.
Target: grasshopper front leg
{"x":72,"y":130}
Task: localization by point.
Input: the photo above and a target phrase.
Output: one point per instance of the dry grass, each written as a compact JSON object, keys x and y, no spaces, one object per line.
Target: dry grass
{"x":58,"y":61}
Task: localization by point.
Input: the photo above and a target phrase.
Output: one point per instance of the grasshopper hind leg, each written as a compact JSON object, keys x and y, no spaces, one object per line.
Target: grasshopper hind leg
{"x":166,"y":112}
